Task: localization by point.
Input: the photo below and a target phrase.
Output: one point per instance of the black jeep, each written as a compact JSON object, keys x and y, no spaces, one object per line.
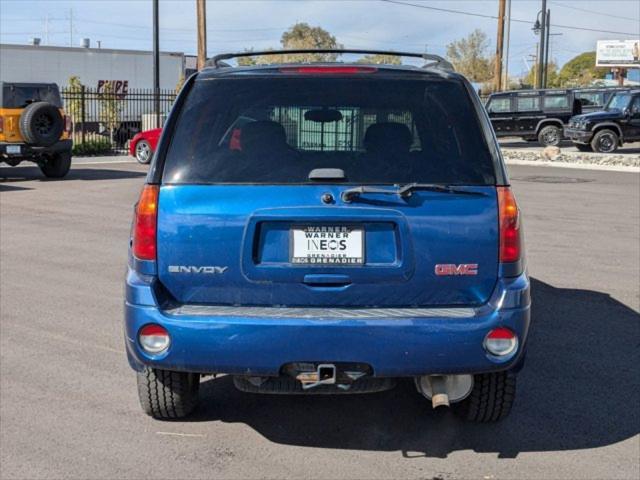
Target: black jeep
{"x":605,"y":130}
{"x":542,"y":114}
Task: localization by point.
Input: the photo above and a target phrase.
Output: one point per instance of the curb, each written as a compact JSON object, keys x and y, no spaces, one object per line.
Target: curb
{"x":580,"y":166}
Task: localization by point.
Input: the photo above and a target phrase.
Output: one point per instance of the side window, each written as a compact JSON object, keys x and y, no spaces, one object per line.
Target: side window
{"x":556,"y":101}
{"x":635,"y":108}
{"x":527,"y":104}
{"x":500,"y":105}
{"x":590,"y":99}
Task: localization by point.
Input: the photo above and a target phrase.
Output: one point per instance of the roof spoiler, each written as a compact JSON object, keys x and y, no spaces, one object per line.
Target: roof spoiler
{"x":433,"y":61}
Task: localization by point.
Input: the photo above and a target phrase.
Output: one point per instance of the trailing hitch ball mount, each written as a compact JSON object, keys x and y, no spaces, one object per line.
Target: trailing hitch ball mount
{"x":312,"y":375}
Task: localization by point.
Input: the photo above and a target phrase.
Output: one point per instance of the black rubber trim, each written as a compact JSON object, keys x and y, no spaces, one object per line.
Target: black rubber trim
{"x":156,"y":168}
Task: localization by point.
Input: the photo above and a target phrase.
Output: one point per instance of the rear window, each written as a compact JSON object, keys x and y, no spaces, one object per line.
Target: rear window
{"x":378,"y":131}
{"x":556,"y":101}
{"x":499,"y":105}
{"x":19,"y":96}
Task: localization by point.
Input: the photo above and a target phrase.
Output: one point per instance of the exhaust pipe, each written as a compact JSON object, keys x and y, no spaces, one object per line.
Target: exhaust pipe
{"x":439,"y":396}
{"x":443,"y":390}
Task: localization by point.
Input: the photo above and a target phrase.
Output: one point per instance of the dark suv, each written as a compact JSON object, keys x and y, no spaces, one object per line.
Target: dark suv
{"x":328,"y":228}
{"x":542,"y":114}
{"x":605,"y":130}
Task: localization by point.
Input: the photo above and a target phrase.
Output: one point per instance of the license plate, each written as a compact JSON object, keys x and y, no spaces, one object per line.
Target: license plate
{"x":327,"y":245}
{"x":13,"y":149}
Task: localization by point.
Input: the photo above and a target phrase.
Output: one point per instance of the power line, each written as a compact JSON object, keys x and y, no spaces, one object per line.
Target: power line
{"x":438,"y":9}
{"x":493,"y":17}
{"x":594,"y":12}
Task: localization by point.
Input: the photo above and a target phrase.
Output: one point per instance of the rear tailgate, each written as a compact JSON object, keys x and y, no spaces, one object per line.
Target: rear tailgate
{"x":234,"y":245}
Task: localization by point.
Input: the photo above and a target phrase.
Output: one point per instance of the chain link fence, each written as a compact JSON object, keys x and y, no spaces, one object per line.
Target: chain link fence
{"x":104,"y":120}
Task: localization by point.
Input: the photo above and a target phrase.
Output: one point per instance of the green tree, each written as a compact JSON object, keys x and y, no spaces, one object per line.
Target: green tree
{"x":110,"y":106}
{"x":469,"y":56}
{"x":553,"y":77}
{"x":180,"y":83}
{"x":580,"y":71}
{"x":381,"y":59}
{"x":299,"y":36}
{"x":73,"y":105}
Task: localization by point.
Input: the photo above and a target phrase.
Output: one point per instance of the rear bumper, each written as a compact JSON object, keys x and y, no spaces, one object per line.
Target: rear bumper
{"x":578,"y":136}
{"x":401,"y":344}
{"x":29,"y":151}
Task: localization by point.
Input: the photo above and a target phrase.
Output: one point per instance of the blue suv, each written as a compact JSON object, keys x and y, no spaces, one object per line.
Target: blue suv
{"x":328,"y":228}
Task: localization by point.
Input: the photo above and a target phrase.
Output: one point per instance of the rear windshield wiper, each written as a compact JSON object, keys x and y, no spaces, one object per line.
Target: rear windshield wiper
{"x":404,"y":191}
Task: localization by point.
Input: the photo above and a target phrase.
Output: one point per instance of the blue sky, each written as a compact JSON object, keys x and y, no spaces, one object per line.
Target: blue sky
{"x":236,"y":25}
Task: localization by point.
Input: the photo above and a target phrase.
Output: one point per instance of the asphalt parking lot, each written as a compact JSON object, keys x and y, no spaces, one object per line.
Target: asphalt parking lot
{"x":68,"y":398}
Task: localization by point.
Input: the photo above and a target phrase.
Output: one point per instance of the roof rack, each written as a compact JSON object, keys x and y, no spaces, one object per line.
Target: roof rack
{"x":432,"y":60}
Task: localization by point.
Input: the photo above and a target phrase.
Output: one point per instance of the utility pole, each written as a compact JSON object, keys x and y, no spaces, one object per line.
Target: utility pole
{"x":201,"y":13}
{"x":156,"y":63}
{"x":546,"y":51}
{"x":505,"y":84}
{"x":499,"y":47}
{"x":543,"y":33}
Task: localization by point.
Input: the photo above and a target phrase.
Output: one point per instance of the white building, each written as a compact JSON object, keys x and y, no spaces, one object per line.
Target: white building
{"x":128,"y":69}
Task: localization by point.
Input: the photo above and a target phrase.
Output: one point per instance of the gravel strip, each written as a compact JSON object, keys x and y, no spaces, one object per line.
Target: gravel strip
{"x":613,"y":159}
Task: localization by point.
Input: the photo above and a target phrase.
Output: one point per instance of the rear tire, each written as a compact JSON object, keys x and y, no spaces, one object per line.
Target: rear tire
{"x":491,"y":398}
{"x":605,"y":141}
{"x":551,"y":135}
{"x":167,"y":395}
{"x":57,"y":165}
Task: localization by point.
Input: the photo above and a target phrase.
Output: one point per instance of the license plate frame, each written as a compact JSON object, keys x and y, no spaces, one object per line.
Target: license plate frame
{"x":13,"y":149}
{"x":353,"y":255}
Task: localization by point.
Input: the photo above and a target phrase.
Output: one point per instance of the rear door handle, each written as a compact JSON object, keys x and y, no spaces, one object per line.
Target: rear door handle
{"x":326,"y":280}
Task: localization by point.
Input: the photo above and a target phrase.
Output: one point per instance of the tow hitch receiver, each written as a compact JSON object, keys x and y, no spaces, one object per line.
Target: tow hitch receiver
{"x":325,"y":374}
{"x":341,"y":375}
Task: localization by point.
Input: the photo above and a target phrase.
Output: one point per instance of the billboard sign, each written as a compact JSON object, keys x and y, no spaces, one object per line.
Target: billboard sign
{"x":618,"y":53}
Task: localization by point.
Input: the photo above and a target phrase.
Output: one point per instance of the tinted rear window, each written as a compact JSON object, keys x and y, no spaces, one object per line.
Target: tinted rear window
{"x":19,"y":96}
{"x":277,"y":130}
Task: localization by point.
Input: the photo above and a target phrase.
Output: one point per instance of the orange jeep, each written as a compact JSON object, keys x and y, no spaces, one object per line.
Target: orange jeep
{"x":34,"y":127}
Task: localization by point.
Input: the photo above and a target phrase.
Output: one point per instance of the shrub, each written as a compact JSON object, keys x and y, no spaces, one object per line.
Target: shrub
{"x":91,"y":147}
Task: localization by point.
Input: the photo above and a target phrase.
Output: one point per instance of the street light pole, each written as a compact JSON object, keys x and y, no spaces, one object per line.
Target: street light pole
{"x":156,"y":63}
{"x":546,"y":51}
{"x":499,"y":47}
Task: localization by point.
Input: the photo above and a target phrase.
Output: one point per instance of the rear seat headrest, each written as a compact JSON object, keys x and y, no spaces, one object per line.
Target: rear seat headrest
{"x":388,"y":136}
{"x":263,"y":135}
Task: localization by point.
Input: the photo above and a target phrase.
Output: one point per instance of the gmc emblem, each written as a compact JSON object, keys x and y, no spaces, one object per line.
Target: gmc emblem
{"x":453,"y":269}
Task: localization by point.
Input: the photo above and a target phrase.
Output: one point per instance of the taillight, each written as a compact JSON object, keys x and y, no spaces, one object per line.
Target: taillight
{"x":510,"y":240}
{"x":235,"y":142}
{"x":329,"y":70}
{"x":145,"y":224}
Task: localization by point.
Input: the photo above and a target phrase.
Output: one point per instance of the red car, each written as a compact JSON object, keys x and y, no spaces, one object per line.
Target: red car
{"x":143,"y":145}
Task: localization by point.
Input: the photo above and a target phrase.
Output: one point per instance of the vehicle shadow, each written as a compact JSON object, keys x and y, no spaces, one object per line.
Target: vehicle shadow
{"x":577,"y":390}
{"x":25,"y":174}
